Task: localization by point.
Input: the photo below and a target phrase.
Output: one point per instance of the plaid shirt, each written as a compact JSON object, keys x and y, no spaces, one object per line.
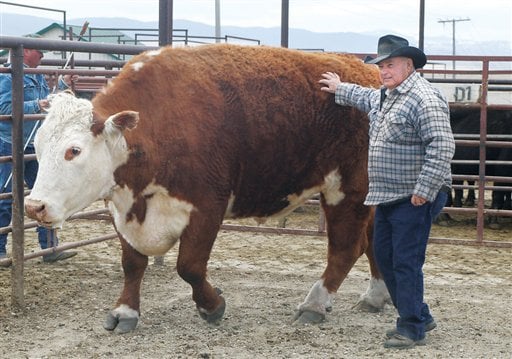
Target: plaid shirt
{"x":411,"y":141}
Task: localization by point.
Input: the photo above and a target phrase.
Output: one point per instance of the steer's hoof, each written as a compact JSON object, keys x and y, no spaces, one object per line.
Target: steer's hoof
{"x":367,"y":307}
{"x":120,"y":325}
{"x":308,"y":317}
{"x":215,"y":316}
{"x":364,"y":306}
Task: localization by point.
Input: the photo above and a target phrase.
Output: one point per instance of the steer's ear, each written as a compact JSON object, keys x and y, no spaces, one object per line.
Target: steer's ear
{"x":125,"y":120}
{"x":120,"y":121}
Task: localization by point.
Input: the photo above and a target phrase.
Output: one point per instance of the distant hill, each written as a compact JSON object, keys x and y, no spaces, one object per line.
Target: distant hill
{"x":18,"y":25}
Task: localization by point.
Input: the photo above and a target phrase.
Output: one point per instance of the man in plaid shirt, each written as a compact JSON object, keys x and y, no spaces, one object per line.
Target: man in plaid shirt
{"x":410,"y":150}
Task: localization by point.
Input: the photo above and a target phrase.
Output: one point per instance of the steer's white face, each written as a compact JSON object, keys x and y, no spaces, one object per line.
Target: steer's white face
{"x":76,"y":166}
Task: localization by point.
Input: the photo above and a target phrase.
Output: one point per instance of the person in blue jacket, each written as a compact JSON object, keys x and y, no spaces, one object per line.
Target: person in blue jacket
{"x":35,"y":94}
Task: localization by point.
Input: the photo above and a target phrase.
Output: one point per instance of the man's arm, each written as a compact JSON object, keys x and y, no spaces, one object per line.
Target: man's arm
{"x":437,"y":135}
{"x":347,"y":94}
{"x":29,"y":107}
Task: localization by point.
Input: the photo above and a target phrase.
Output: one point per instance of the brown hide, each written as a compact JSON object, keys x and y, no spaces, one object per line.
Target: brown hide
{"x":251,"y":121}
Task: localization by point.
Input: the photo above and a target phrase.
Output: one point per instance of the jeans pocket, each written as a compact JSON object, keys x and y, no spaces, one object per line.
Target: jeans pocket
{"x":438,"y":204}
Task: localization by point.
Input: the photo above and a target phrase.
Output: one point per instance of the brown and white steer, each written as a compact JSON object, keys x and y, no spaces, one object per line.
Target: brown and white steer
{"x":186,"y":137}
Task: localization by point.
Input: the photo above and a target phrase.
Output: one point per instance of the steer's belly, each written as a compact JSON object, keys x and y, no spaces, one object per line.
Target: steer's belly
{"x":330,"y":187}
{"x":151,"y":224}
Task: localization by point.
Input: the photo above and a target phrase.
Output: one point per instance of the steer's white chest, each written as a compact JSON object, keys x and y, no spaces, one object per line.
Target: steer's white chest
{"x":164,"y":219}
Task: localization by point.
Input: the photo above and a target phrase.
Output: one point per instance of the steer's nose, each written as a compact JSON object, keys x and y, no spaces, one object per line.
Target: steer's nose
{"x":35,"y":209}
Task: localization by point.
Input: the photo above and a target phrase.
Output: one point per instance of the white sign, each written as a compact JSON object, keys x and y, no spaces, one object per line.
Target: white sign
{"x":463,"y":93}
{"x":470,"y":93}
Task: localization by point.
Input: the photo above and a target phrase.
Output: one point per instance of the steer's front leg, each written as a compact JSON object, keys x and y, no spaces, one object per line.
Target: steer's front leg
{"x":195,"y":247}
{"x":125,"y":316}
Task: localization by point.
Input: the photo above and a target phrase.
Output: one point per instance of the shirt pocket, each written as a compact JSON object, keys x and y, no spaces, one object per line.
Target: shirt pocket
{"x":396,"y":129}
{"x":30,"y":91}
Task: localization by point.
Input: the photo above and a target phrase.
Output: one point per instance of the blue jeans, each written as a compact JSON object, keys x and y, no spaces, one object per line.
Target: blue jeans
{"x":47,"y":238}
{"x":401,"y":233}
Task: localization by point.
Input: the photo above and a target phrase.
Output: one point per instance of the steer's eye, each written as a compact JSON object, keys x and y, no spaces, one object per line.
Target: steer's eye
{"x":71,"y":153}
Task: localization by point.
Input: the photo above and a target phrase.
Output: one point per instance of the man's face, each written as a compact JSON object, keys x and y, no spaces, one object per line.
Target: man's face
{"x":394,"y":71}
{"x":32,"y":58}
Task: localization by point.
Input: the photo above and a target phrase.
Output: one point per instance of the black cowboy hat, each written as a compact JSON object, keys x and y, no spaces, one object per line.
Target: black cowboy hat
{"x":395,"y":46}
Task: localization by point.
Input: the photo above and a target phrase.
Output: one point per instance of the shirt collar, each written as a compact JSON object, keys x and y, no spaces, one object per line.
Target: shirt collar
{"x":407,"y":84}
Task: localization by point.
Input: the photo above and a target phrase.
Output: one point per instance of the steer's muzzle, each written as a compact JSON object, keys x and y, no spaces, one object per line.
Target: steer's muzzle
{"x":35,"y":209}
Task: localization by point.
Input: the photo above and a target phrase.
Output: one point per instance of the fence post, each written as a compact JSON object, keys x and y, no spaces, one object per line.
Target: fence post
{"x":18,"y":233}
{"x":165,"y":22}
{"x":483,"y":138}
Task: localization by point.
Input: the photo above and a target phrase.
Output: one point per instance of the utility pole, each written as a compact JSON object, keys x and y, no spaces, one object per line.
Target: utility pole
{"x":453,"y":21}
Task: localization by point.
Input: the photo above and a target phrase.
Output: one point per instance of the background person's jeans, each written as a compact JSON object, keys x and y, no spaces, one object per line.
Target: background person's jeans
{"x":30,"y":171}
{"x":401,"y":234}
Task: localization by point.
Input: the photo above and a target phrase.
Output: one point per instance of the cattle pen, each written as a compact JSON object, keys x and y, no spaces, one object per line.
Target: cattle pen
{"x":94,"y":74}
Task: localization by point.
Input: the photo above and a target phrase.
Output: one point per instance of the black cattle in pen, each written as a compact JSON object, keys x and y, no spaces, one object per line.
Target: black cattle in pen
{"x":467,"y":121}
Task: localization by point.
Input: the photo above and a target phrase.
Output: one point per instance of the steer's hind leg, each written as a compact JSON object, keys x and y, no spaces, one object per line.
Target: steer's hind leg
{"x":195,"y":246}
{"x":377,"y":295}
{"x":346,"y":223}
{"x":125,"y":316}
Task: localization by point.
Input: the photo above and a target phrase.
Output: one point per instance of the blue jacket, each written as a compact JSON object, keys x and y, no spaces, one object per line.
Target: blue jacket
{"x":35,"y":88}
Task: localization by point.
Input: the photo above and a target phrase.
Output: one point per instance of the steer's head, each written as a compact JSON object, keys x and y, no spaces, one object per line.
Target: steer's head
{"x":77,"y":154}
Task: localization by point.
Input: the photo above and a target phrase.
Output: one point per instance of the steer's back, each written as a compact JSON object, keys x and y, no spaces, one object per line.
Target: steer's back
{"x":248,"y":123}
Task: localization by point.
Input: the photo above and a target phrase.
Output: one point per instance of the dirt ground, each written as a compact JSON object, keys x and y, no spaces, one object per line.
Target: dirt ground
{"x":263,"y":277}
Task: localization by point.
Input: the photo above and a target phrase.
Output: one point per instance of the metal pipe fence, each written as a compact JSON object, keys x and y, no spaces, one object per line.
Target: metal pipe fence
{"x":95,"y":74}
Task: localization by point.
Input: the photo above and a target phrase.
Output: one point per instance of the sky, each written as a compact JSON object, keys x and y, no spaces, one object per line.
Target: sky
{"x":489,"y":20}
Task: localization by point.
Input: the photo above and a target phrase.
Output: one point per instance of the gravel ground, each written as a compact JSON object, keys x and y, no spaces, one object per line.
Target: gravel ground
{"x":264,"y":277}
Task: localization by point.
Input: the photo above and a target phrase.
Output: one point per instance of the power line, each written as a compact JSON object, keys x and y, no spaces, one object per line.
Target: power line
{"x":453,"y":21}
